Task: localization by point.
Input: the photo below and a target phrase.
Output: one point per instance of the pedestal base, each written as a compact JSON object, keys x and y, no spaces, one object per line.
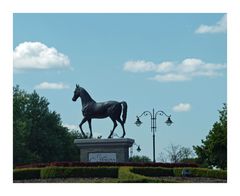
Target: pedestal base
{"x":104,"y":150}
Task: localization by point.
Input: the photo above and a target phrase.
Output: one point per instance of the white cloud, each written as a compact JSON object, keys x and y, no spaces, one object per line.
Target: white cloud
{"x":194,"y":66}
{"x":168,"y":71}
{"x":170,"y":78}
{"x":36,"y":55}
{"x":191,"y":65}
{"x":71,"y":127}
{"x":146,"y":66}
{"x":164,"y":67}
{"x":139,"y":66}
{"x":182,"y":107}
{"x":219,"y":27}
{"x":51,"y":86}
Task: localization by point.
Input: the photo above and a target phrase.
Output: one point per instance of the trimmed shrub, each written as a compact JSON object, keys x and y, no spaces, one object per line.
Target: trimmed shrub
{"x":209,"y":173}
{"x":193,"y":172}
{"x":125,"y":173}
{"x":185,"y":172}
{"x":221,"y":174}
{"x":178,"y":172}
{"x":26,"y":174}
{"x":126,"y":176}
{"x":153,"y":171}
{"x":79,"y":172}
{"x":202,"y":172}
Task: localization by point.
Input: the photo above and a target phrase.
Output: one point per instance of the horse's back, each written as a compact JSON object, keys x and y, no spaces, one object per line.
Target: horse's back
{"x":101,"y":109}
{"x":105,"y":106}
{"x":107,"y":103}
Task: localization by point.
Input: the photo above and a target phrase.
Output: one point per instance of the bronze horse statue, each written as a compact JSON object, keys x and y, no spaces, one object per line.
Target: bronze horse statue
{"x":92,"y":109}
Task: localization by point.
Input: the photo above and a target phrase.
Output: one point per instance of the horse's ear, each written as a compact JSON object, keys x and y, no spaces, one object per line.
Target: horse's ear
{"x":77,"y":85}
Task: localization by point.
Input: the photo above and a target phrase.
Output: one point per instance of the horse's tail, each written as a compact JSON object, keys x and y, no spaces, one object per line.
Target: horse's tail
{"x":124,"y":113}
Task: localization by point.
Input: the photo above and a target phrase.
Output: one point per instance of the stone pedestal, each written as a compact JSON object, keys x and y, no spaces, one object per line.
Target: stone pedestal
{"x":104,"y":150}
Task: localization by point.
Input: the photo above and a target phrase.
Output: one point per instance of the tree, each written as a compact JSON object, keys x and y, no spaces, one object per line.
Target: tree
{"x":38,"y":134}
{"x":21,"y":128}
{"x":175,"y":154}
{"x":213,"y":151}
{"x":141,"y":159}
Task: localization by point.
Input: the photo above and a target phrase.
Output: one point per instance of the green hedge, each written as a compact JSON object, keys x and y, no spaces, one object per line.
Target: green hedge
{"x":79,"y":172}
{"x":209,"y":173}
{"x":194,"y":172}
{"x":26,"y":174}
{"x":153,"y":171}
{"x":126,"y":175}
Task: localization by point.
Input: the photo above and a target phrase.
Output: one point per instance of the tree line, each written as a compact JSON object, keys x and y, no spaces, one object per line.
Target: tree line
{"x":211,"y":153}
{"x":38,"y":133}
{"x":213,"y":150}
{"x":39,"y":136}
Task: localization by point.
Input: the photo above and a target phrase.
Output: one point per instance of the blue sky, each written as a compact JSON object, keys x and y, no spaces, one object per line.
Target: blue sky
{"x":171,"y":62}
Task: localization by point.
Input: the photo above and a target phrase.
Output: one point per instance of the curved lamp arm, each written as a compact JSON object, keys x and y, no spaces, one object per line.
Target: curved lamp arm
{"x":168,"y":121}
{"x":160,"y":112}
{"x":145,"y":113}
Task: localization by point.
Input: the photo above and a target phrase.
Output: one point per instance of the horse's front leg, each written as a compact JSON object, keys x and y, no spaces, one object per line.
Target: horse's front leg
{"x":90,"y":127}
{"x":80,"y":126}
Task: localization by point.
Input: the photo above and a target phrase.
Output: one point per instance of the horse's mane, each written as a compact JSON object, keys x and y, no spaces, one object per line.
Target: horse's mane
{"x":87,"y":96}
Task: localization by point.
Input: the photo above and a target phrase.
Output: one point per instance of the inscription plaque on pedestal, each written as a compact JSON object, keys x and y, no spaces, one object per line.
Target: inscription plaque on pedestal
{"x":102,"y":157}
{"x":104,"y":150}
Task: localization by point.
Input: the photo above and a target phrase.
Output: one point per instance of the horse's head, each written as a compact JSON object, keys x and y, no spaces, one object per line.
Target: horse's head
{"x":77,"y":92}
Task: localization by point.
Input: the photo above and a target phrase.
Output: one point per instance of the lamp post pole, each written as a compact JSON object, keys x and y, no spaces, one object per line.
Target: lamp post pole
{"x":153,"y":118}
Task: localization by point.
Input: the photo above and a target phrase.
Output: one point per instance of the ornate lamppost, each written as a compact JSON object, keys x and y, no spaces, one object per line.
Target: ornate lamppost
{"x":134,"y":144}
{"x":138,"y":149}
{"x":153,"y":116}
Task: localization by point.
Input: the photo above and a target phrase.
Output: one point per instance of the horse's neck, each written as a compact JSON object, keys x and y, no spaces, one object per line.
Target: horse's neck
{"x":86,"y":99}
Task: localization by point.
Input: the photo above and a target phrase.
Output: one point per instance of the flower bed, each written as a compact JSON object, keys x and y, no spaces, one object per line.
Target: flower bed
{"x":88,"y":164}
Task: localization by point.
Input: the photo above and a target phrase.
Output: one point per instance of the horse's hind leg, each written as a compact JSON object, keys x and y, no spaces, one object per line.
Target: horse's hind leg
{"x":122,"y":124}
{"x":114,"y":127}
{"x":90,"y":127}
{"x":80,"y":126}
